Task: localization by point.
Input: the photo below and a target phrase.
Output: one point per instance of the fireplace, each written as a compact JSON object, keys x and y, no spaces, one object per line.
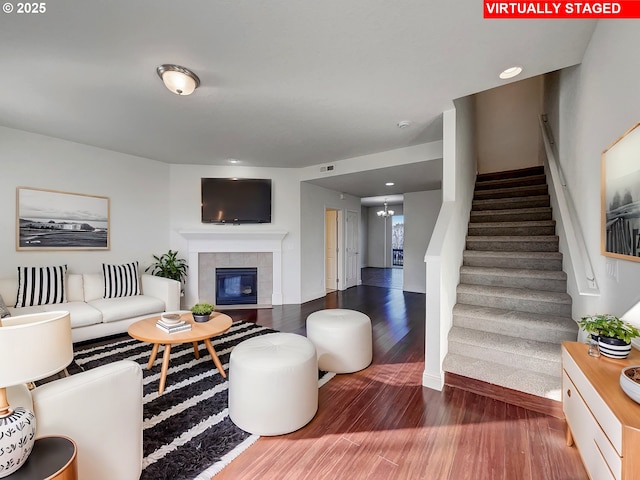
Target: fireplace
{"x":236,"y":286}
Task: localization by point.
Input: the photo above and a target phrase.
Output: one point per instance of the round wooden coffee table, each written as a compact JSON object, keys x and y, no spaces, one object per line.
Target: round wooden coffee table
{"x":146,"y":331}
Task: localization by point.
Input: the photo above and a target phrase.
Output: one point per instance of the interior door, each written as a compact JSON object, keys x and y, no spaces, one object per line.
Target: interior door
{"x":331,"y":250}
{"x":352,"y":244}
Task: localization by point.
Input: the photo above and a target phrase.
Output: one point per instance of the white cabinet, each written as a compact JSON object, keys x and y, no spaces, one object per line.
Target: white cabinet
{"x":603,"y":422}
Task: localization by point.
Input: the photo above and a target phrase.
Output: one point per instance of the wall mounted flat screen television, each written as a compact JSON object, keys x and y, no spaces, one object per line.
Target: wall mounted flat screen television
{"x":236,"y":200}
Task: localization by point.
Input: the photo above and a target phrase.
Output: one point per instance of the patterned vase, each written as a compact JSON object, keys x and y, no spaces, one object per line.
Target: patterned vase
{"x":17,"y":435}
{"x":613,"y":347}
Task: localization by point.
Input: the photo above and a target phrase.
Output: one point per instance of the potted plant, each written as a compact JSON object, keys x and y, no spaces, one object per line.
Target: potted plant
{"x":168,"y":265}
{"x":614,"y":334}
{"x":202,"y":311}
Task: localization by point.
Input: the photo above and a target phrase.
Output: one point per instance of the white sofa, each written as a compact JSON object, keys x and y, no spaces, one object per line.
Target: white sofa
{"x":93,"y":316}
{"x":101,"y":410}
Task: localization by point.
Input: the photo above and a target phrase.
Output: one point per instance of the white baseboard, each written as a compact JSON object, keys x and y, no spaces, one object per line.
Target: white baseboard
{"x":434,"y":382}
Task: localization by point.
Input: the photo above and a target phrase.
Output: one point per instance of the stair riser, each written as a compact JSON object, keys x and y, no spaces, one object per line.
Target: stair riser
{"x":523,"y":361}
{"x":546,"y":285}
{"x":502,"y":262}
{"x":512,"y":246}
{"x":532,"y":331}
{"x":515,"y":216}
{"x":527,"y":191}
{"x":507,"y":203}
{"x":511,"y":182}
{"x":518,"y":304}
{"x":519,"y":230}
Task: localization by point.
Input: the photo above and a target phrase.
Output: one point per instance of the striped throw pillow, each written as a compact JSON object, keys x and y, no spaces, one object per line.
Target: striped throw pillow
{"x":120,"y":280}
{"x":41,"y":285}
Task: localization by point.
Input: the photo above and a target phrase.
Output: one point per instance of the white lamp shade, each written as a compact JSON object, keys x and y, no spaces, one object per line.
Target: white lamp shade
{"x":34,"y":346}
{"x":179,"y":83}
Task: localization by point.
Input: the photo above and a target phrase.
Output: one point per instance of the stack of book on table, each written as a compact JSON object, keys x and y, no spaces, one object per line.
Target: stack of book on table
{"x":171,"y":323}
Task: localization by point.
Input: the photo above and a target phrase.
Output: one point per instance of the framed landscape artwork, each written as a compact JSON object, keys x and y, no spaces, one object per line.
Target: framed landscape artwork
{"x":620,"y":192}
{"x":52,"y":220}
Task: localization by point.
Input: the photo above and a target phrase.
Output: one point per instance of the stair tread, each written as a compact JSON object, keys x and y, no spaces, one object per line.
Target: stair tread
{"x":513,"y":238}
{"x":488,"y":201}
{"x":536,"y":179}
{"x":519,"y":293}
{"x":516,"y":172}
{"x":514,"y":191}
{"x":525,"y":223}
{"x":511,"y":211}
{"x":514,"y":317}
{"x":535,"y":383}
{"x":515,"y":272}
{"x":507,"y":344}
{"x":497,"y":253}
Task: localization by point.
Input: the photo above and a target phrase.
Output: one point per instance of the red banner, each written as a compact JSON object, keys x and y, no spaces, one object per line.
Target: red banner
{"x":561,"y":9}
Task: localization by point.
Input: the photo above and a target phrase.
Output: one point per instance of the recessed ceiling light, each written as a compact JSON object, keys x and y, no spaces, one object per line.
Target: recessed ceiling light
{"x":389,"y":184}
{"x":510,"y":72}
{"x":404,"y":124}
{"x":233,"y":160}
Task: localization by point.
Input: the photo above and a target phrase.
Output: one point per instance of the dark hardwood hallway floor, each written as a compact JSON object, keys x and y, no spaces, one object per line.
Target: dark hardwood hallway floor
{"x":380,"y":423}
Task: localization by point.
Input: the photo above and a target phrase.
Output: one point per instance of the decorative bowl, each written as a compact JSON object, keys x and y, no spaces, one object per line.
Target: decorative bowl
{"x":170,"y":318}
{"x":629,"y":386}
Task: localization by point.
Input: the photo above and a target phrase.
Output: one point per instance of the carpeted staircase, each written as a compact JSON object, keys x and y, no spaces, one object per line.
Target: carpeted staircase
{"x":512,"y":308}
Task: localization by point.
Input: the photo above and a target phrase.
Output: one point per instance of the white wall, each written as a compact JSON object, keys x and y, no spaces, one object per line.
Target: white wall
{"x":184,"y":212}
{"x":420,"y":214}
{"x":596,"y":103}
{"x":313,"y":202}
{"x":444,"y":253}
{"x":508,"y":135}
{"x":137,"y":188}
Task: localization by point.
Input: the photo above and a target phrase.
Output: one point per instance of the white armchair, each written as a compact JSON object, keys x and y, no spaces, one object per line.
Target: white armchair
{"x":101,"y":410}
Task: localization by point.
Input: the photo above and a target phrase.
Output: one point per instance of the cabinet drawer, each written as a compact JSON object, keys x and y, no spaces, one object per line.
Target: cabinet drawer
{"x":599,"y":409}
{"x":598,"y":454}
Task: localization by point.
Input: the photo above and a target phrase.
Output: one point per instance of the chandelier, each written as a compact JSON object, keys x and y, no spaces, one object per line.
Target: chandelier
{"x":386,"y":212}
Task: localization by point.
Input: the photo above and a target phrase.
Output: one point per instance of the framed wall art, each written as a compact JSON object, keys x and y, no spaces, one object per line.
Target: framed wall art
{"x":53,"y":220}
{"x":620,"y":193}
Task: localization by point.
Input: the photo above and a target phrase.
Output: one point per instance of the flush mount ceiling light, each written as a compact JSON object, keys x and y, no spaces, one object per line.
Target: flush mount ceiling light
{"x":404,"y":124}
{"x":386,"y":212}
{"x":389,"y":184}
{"x":179,"y":80}
{"x":510,"y":72}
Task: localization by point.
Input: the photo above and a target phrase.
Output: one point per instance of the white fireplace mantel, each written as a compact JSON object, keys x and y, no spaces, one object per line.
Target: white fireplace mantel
{"x":232,"y":239}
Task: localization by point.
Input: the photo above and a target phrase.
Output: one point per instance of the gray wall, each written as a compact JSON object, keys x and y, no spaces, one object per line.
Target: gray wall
{"x":590,"y":107}
{"x":137,"y":189}
{"x":420,"y":214}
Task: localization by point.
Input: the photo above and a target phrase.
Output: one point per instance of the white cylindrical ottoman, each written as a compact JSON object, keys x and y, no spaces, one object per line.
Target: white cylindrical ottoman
{"x":342,"y":338}
{"x":273,"y":383}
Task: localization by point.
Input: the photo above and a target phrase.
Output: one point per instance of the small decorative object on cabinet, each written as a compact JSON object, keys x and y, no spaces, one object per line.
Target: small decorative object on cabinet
{"x":614,"y":334}
{"x":630,"y":382}
{"x":603,"y":422}
{"x":202,"y":311}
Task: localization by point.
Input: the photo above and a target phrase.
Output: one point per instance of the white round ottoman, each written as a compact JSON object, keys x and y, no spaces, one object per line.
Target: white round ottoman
{"x":342,"y":338}
{"x":273,"y":383}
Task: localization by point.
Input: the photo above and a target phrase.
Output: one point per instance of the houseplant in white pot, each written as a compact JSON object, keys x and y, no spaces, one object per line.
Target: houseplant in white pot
{"x":614,"y":334}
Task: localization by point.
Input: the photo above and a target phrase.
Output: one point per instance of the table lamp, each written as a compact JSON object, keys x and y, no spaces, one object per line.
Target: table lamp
{"x":32,"y":347}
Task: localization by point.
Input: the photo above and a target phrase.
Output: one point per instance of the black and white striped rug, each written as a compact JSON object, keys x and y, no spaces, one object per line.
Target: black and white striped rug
{"x":187,"y":430}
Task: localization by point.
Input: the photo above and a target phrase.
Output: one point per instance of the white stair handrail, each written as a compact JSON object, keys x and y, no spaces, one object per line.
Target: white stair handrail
{"x":581,"y":264}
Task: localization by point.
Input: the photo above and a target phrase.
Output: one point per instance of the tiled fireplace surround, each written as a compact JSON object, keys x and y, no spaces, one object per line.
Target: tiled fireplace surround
{"x":209,"y":249}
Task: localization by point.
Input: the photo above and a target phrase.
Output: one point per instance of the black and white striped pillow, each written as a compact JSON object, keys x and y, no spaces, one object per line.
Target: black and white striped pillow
{"x":120,"y":280}
{"x":41,"y":285}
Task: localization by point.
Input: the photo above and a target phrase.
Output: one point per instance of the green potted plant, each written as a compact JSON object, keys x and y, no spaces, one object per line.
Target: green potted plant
{"x":613,"y":334}
{"x":168,"y":265}
{"x":202,"y":311}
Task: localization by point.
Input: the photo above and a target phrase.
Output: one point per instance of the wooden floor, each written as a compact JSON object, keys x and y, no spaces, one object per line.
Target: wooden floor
{"x":382,"y":277}
{"x":381,"y":423}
